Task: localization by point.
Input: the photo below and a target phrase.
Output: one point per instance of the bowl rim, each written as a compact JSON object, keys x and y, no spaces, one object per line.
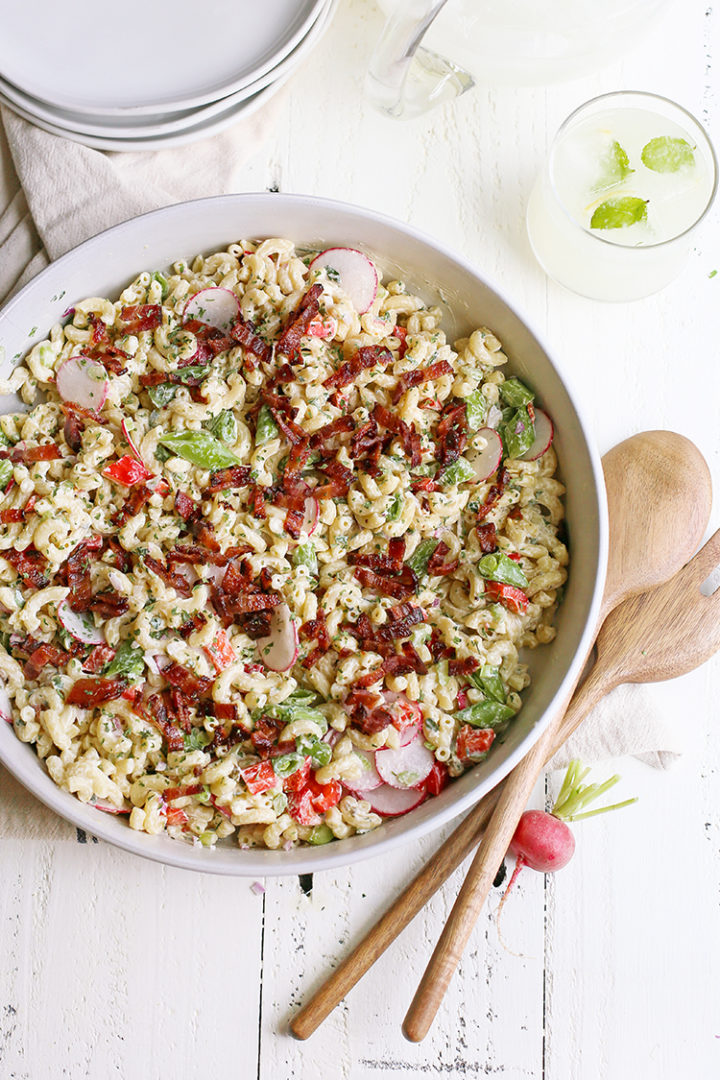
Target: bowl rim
{"x":259,"y":862}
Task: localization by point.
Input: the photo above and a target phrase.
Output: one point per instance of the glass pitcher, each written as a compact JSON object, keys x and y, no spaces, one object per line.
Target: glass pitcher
{"x":432,"y":50}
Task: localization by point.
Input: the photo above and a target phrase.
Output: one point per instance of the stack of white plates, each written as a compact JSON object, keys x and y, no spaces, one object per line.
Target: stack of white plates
{"x":153,"y":77}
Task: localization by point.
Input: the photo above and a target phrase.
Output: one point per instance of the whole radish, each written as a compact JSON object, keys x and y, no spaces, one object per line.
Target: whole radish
{"x":545,"y":841}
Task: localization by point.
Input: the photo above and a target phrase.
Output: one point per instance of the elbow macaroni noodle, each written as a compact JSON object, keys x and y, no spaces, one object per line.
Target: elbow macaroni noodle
{"x":117,"y":753}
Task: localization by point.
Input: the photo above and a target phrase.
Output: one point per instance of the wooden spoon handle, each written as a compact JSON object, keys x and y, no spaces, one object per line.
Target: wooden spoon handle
{"x":516,"y":791}
{"x":426,"y":883}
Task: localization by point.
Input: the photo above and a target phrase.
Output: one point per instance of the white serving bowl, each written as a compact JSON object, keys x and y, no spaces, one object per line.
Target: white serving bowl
{"x":103,"y":265}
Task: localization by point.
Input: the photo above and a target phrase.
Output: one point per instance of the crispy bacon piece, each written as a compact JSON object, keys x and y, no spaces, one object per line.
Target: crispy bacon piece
{"x":108,"y":605}
{"x":102,"y":349}
{"x":234,"y":477}
{"x":315,"y":630}
{"x":463,"y":667}
{"x":78,"y":573}
{"x":195,"y":553}
{"x":157,"y":712}
{"x":176,"y":581}
{"x":401,"y":585}
{"x":138,"y":496}
{"x":451,"y":435}
{"x":188,"y":682}
{"x":210,"y":342}
{"x":256,"y":624}
{"x":42,"y":655}
{"x":30,"y":454}
{"x":98,"y":658}
{"x":438,"y":649}
{"x":297,"y":325}
{"x":487,"y":537}
{"x":243,"y":332}
{"x":380,"y":564}
{"x":338,"y":485}
{"x":409,"y":437}
{"x":298,"y":458}
{"x":265,"y":735}
{"x":340,"y":426}
{"x":289,"y":428}
{"x":137,"y":317}
{"x":121,"y":558}
{"x":89,"y":693}
{"x":494,"y":494}
{"x":245,"y":602}
{"x":366,"y":357}
{"x":191,"y":624}
{"x":179,"y":706}
{"x":419,"y":376}
{"x":436,"y":564}
{"x":30,"y":564}
{"x":397,"y":664}
{"x":72,"y":431}
{"x":187,"y":508}
{"x":257,"y":502}
{"x":399,"y":626}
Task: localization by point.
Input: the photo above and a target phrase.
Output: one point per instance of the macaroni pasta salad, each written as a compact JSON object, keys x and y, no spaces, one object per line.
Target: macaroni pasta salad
{"x":269,"y":548}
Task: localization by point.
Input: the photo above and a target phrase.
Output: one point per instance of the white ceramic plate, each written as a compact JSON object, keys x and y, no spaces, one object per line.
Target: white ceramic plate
{"x":203,"y":130}
{"x":143,"y":126}
{"x":101,"y":59}
{"x":104,"y":265}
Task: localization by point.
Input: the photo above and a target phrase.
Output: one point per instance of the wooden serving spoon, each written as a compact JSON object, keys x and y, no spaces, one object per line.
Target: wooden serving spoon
{"x":657,"y":473}
{"x":657,"y":634}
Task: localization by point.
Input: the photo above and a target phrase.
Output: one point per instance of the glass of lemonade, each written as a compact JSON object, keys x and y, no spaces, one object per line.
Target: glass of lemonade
{"x":628,"y":179}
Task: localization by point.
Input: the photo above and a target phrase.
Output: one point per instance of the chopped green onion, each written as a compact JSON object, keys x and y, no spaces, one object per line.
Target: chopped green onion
{"x":287,"y":764}
{"x":162,"y":282}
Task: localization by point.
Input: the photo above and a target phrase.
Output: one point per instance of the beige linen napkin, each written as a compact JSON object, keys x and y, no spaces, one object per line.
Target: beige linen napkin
{"x":58,"y":194}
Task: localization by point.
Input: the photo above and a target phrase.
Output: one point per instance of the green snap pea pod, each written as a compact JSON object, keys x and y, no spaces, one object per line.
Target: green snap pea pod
{"x":200,"y":448}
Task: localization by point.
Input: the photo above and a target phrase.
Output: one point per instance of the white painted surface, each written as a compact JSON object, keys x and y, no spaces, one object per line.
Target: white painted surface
{"x":112,"y":967}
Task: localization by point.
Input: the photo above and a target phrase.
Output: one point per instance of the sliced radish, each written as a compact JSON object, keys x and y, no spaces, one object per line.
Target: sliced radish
{"x":108,"y":807}
{"x":544,"y":432}
{"x":214,"y":307}
{"x":5,"y":706}
{"x":486,"y":462}
{"x":79,"y":624}
{"x":356,"y":274}
{"x":370,"y":778}
{"x":82,"y":381}
{"x":312,"y":512}
{"x":392,"y":801}
{"x":408,"y":734}
{"x":125,"y":425}
{"x":407,"y":766}
{"x":279,"y":650}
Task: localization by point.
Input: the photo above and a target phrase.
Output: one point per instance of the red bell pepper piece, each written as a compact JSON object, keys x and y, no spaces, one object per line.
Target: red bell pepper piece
{"x":301,"y":807}
{"x":471,"y":742}
{"x":325,"y":796}
{"x":174,"y":815}
{"x":128,"y":471}
{"x":509,"y":596}
{"x":298,"y":780}
{"x":438,"y":778}
{"x":322,"y":328}
{"x":259,"y":778}
{"x":220,"y":653}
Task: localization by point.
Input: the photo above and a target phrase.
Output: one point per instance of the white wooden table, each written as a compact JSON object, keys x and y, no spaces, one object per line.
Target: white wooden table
{"x":114,"y":967}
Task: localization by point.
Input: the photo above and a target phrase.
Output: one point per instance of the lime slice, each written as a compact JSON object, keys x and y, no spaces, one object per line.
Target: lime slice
{"x":619,"y":213}
{"x":666,"y":154}
{"x":614,"y":167}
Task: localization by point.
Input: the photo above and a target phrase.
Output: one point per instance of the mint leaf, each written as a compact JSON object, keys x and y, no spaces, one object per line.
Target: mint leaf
{"x":666,"y":154}
{"x":614,"y":167}
{"x":618,"y":213}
